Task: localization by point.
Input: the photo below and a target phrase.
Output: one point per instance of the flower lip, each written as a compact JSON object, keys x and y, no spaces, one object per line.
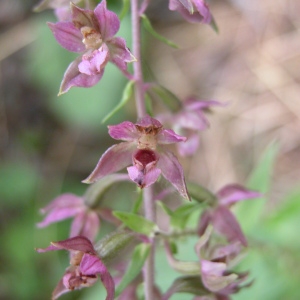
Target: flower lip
{"x":144,"y":157}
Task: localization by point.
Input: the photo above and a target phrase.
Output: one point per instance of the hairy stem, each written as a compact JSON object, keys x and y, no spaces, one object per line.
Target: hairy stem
{"x":137,"y":66}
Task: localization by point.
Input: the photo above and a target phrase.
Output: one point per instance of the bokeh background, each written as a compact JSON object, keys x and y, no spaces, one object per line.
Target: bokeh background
{"x":48,"y":144}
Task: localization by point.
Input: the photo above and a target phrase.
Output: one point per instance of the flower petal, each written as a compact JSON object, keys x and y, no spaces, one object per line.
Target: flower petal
{"x":125,"y":131}
{"x":232,"y":193}
{"x":141,"y":179}
{"x":195,"y":120}
{"x":109,"y":23}
{"x":59,"y":290}
{"x":86,"y":224}
{"x":196,"y":104}
{"x":172,"y":170}
{"x":73,"y":77}
{"x":168,"y":136}
{"x":62,"y":207}
{"x":119,"y":53}
{"x":94,"y":63}
{"x":190,"y":146}
{"x":92,"y":265}
{"x":78,"y":243}
{"x":212,"y":275}
{"x":114,"y":159}
{"x":68,"y":36}
{"x":198,"y":14}
{"x":225,"y":223}
{"x":174,"y":4}
{"x":82,"y":17}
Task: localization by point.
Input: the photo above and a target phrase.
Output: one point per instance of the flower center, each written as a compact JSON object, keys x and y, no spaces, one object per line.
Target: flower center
{"x":91,"y":38}
{"x":145,"y":157}
{"x":147,"y":139}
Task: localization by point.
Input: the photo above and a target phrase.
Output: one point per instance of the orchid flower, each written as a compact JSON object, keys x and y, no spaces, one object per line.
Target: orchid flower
{"x":189,"y":121}
{"x":222,"y":218}
{"x":194,"y":11}
{"x":92,"y":34}
{"x":85,"y":267}
{"x":144,"y":148}
{"x":86,"y":221}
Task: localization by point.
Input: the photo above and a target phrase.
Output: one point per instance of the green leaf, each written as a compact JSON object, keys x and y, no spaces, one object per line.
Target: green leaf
{"x":138,"y":203}
{"x":95,"y":192}
{"x":181,"y":215}
{"x":168,"y":99}
{"x":150,"y":29}
{"x":125,"y":9}
{"x":135,"y":222}
{"x":138,"y":259}
{"x":200,"y":193}
{"x":114,"y":245}
{"x":214,"y":25}
{"x":249,"y":212}
{"x":127,"y":92}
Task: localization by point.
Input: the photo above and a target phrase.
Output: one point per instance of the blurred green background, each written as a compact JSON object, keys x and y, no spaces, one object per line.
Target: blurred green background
{"x":49,"y":144}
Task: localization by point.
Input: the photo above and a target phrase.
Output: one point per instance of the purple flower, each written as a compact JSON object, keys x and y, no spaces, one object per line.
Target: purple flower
{"x":215,"y":273}
{"x":86,"y":221}
{"x":85,"y":266}
{"x":222,"y":218}
{"x":144,"y":148}
{"x":194,"y":11}
{"x":92,"y":34}
{"x":189,"y":121}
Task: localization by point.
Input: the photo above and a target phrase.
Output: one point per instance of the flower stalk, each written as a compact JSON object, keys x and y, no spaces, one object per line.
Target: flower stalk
{"x":141,"y":112}
{"x":137,"y":67}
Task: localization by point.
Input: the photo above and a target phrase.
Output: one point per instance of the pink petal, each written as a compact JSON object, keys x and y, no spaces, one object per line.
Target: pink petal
{"x":147,"y":121}
{"x":225,"y":223}
{"x":172,"y":170}
{"x":119,"y":53}
{"x":94,"y":63}
{"x":190,"y":146}
{"x":92,"y":265}
{"x":73,"y":77}
{"x":78,"y":243}
{"x":64,"y":201}
{"x":114,"y":159}
{"x":213,"y":275}
{"x":61,"y":208}
{"x":204,"y":221}
{"x":196,"y":104}
{"x":141,"y":179}
{"x":168,"y":136}
{"x":232,"y":193}
{"x":86,"y":224}
{"x":195,"y":120}
{"x":68,"y":36}
{"x":201,"y":13}
{"x":59,"y":290}
{"x":63,"y":13}
{"x":125,"y":131}
{"x":82,"y":17}
{"x":203,"y":10}
{"x":109,"y":23}
{"x":174,"y":4}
